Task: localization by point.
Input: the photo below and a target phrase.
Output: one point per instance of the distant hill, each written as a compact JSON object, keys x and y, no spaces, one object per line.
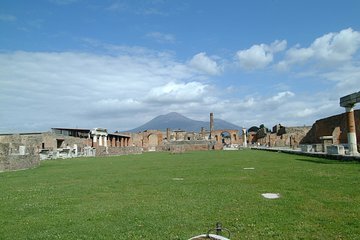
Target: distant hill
{"x":176,"y":121}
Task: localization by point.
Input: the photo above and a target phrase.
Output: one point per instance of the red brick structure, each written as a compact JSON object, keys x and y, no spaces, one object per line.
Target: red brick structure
{"x":335,"y":126}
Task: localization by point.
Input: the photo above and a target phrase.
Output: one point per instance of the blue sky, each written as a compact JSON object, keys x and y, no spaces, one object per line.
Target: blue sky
{"x":117,"y":64}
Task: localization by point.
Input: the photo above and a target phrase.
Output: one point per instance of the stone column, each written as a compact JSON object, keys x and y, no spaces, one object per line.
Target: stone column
{"x":76,"y":150}
{"x":244,"y":137}
{"x":122,"y":142}
{"x":105,"y":141}
{"x":168,"y":134}
{"x":95,"y":141}
{"x":351,"y":135}
{"x":89,"y":141}
{"x":202,"y":132}
{"x":211,"y":124}
{"x":100,"y":140}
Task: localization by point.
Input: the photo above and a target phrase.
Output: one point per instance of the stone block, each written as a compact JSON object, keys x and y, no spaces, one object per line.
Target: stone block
{"x":306,"y":148}
{"x":335,"y":149}
{"x":22,"y":150}
{"x":318,"y":147}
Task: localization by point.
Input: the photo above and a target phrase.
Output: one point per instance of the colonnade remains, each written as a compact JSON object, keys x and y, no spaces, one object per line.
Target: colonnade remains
{"x":348,"y":102}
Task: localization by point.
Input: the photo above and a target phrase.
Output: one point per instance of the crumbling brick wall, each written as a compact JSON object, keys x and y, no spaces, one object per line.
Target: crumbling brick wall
{"x":332,"y":126}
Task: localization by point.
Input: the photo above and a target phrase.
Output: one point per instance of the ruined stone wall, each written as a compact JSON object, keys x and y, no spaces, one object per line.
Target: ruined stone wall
{"x":153,"y":140}
{"x":45,"y":140}
{"x":115,"y":151}
{"x":251,"y":137}
{"x":34,"y":141}
{"x":192,"y":145}
{"x":285,"y":137}
{"x":16,"y":161}
{"x":233,"y":134}
{"x":335,"y":126}
{"x":147,"y":139}
{"x":136,"y":139}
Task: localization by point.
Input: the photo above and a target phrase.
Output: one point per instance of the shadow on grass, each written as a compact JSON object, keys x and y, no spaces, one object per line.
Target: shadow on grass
{"x":326,"y":161}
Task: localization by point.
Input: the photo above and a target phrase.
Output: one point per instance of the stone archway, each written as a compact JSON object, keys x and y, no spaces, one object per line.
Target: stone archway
{"x":226,"y":138}
{"x":153,"y":142}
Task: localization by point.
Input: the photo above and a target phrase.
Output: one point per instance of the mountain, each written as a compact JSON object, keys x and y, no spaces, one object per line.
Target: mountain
{"x":176,"y":121}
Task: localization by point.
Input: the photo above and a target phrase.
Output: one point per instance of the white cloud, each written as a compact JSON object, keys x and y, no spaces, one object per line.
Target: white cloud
{"x":337,"y":46}
{"x":69,"y":89}
{"x":162,"y":37}
{"x":346,"y":77}
{"x":178,"y":92}
{"x":109,"y":105}
{"x":277,"y":46}
{"x":124,"y":91}
{"x":304,"y":112}
{"x":127,"y":86}
{"x":255,"y":57}
{"x":281,"y":96}
{"x":259,"y":56}
{"x":205,"y":64}
{"x":117,"y":92}
{"x":328,"y":49}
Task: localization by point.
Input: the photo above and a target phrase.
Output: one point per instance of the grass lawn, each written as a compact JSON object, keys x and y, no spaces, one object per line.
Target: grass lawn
{"x":163,"y":196}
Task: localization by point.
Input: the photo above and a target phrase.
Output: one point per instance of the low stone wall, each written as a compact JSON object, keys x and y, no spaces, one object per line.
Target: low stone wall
{"x":114,"y":151}
{"x":17,"y":161}
{"x":311,"y":154}
{"x":191,"y":145}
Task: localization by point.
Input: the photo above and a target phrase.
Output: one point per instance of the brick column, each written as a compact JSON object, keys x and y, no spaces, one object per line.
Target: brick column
{"x":351,"y":135}
{"x":211,"y":125}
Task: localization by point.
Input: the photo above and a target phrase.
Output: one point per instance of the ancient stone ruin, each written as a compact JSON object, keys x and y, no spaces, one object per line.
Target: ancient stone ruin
{"x":333,"y":135}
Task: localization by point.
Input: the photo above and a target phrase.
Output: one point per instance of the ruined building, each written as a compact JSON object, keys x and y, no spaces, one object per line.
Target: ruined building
{"x":280,"y":136}
{"x":332,"y":129}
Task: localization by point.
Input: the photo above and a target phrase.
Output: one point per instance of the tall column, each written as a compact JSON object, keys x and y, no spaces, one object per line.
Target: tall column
{"x":89,"y":141}
{"x":122,"y":142}
{"x":348,"y":102}
{"x":351,"y":135}
{"x":100,"y":140}
{"x":94,"y":141}
{"x":76,"y":149}
{"x":202,"y":132}
{"x":168,"y":134}
{"x":244,"y":137}
{"x":105,"y":141}
{"x":211,"y":124}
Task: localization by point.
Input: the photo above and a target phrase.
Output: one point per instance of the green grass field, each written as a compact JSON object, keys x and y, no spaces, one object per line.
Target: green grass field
{"x":165,"y":196}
